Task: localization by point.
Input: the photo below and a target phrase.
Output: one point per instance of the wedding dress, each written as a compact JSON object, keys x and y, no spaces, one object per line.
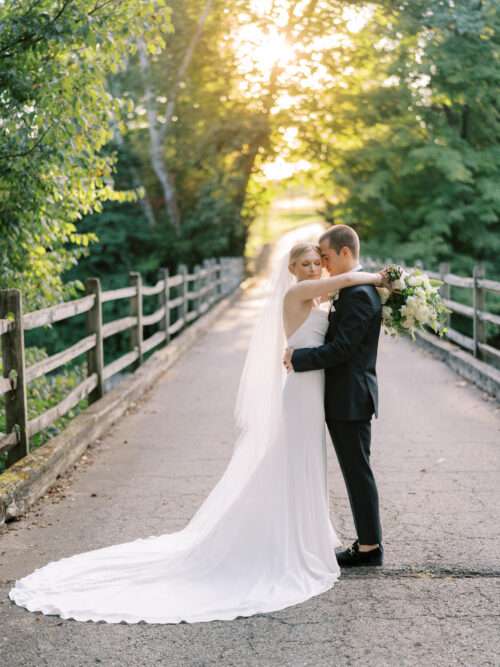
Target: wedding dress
{"x":261,"y":541}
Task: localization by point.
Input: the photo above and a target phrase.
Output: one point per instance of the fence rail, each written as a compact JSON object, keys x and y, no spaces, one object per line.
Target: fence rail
{"x":194,"y":294}
{"x":479,"y":286}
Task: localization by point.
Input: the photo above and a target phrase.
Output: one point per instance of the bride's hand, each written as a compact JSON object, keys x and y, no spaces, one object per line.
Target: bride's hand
{"x":384,"y":278}
{"x":287,"y":359}
{"x":379,"y":280}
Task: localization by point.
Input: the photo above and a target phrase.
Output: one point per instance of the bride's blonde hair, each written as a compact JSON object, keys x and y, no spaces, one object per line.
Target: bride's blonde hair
{"x":299,"y":249}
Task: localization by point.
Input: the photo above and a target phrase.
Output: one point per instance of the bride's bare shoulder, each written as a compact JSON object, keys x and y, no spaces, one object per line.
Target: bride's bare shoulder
{"x":293,"y":295}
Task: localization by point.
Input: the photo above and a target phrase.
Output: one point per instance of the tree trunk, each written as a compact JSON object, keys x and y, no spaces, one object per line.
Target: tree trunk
{"x":156,"y":154}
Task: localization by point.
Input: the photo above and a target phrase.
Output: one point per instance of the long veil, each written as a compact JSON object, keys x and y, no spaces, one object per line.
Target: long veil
{"x":261,"y":382}
{"x":258,"y":404}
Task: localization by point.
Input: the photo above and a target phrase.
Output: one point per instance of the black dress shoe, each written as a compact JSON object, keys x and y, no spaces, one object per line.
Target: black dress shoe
{"x":353,"y":557}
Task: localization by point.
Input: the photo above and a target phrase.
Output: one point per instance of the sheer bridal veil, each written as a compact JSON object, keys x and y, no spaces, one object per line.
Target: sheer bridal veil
{"x":258,"y":404}
{"x":261,"y":382}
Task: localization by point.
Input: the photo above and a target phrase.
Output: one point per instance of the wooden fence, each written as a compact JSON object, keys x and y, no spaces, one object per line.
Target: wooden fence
{"x":479,"y":286}
{"x":182,"y":298}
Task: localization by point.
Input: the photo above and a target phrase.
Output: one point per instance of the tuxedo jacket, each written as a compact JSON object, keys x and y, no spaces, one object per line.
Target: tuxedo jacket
{"x":349,"y":355}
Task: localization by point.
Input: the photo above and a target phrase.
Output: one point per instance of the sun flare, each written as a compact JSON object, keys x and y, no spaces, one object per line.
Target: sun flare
{"x":273,"y":49}
{"x":260,"y":51}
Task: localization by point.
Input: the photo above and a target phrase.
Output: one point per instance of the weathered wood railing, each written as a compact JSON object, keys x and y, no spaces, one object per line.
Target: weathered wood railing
{"x":195,"y":292}
{"x":480,"y":286}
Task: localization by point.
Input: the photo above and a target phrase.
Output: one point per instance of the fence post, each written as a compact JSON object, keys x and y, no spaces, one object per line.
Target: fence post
{"x":218,"y":276}
{"x":207,"y":284}
{"x":136,"y":311}
{"x":445,"y":289}
{"x":95,"y":356}
{"x":201,"y":288}
{"x":184,"y":289}
{"x":234,"y":274}
{"x":196,"y":286}
{"x":210,"y":282}
{"x":479,"y":304}
{"x":14,"y":366}
{"x":164,"y":299}
{"x":223,"y":277}
{"x":213,"y":278}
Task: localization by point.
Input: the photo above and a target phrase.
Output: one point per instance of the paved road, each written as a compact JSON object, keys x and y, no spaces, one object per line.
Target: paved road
{"x":436,"y":453}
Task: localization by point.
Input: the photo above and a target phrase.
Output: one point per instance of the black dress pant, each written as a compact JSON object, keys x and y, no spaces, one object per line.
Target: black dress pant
{"x":351,"y":440}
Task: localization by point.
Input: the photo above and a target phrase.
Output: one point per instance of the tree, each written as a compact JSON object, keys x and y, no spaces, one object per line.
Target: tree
{"x":208,"y":114}
{"x":408,"y":129}
{"x":55,"y":118}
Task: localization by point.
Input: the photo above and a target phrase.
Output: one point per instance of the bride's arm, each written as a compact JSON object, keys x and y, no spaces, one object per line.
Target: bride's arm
{"x":310,"y":289}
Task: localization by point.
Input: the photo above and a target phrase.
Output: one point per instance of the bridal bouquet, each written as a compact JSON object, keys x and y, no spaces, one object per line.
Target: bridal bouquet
{"x":411,"y":302}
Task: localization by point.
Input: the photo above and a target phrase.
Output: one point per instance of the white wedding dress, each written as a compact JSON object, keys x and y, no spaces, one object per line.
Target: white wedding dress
{"x":261,"y":541}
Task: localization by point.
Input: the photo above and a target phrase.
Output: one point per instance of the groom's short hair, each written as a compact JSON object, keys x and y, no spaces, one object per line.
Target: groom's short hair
{"x":339,"y":236}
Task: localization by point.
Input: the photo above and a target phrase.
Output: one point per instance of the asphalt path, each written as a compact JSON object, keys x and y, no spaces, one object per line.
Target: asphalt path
{"x":436,"y":456}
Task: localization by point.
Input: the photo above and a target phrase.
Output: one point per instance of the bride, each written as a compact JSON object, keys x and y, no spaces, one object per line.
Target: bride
{"x":262,"y":540}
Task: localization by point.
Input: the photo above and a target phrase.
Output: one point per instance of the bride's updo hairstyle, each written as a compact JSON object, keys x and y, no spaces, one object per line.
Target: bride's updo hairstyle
{"x":298,"y":250}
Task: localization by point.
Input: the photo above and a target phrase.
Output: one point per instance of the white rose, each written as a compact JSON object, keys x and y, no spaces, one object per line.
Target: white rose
{"x":399,"y":284}
{"x":384,"y":294}
{"x":422,"y":314}
{"x":412,"y":281}
{"x":386,"y":312}
{"x":405,"y":311}
{"x":411,"y":306}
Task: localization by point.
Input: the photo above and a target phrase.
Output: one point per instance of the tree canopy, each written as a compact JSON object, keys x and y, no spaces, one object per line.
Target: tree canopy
{"x":133,"y":133}
{"x":56,"y":120}
{"x":407,"y":131}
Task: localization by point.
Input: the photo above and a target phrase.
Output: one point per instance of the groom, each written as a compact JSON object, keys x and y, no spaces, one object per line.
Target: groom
{"x":348,"y":356}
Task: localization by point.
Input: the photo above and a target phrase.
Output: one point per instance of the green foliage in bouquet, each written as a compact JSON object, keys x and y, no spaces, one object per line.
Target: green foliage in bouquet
{"x":412,"y":302}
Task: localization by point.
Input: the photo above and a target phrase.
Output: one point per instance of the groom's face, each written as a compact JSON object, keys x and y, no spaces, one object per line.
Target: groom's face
{"x":334,"y":263}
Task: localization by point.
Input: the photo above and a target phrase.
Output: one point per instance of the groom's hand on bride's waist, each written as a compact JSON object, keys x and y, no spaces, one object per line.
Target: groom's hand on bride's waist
{"x":287,"y":359}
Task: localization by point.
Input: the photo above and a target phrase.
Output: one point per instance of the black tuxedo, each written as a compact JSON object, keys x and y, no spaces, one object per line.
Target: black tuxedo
{"x":349,"y":357}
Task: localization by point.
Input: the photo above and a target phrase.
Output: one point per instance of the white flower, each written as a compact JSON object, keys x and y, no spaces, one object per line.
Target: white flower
{"x":417,"y":279}
{"x":421,"y":305}
{"x":384,"y":294}
{"x":411,"y":306}
{"x":408,"y":323}
{"x":422,"y":313}
{"x":399,"y":283}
